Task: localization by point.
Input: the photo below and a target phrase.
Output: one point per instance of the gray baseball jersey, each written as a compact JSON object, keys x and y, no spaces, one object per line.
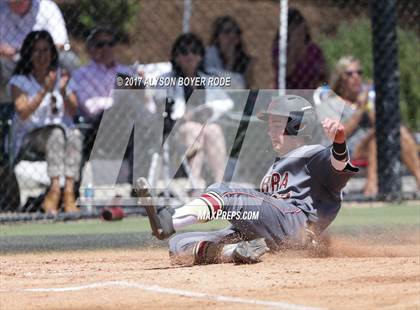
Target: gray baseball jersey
{"x":300,"y":187}
{"x":306,"y":179}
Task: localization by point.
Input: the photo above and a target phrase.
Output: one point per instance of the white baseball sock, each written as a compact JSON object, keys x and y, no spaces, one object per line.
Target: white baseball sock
{"x":183,"y":221}
{"x":200,"y":210}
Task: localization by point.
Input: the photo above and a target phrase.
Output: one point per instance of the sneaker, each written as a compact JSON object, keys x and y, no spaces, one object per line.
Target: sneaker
{"x":249,"y":252}
{"x":160,"y":218}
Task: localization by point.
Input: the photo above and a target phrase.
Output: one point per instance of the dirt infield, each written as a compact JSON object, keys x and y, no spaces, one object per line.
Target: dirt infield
{"x":353,"y":274}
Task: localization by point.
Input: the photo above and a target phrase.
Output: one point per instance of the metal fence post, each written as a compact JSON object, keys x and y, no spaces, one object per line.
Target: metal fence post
{"x":281,"y":83}
{"x":386,"y":76}
{"x":186,"y":16}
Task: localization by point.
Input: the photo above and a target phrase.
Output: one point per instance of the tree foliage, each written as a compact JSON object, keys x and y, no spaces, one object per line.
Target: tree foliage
{"x":84,"y":15}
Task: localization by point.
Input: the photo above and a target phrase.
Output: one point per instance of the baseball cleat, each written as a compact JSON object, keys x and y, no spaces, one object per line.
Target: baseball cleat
{"x":160,"y":218}
{"x":249,"y":252}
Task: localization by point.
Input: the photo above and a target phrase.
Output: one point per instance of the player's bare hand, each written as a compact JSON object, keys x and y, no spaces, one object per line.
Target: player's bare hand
{"x":334,"y":130}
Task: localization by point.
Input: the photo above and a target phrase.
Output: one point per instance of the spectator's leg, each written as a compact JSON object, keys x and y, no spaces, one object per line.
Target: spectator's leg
{"x":409,"y":153}
{"x":73,"y":157}
{"x":73,"y":154}
{"x":55,"y":155}
{"x":361,"y":149}
{"x":188,"y":134}
{"x":371,"y":188}
{"x":215,"y":148}
{"x":366,"y":148}
{"x":55,"y":152}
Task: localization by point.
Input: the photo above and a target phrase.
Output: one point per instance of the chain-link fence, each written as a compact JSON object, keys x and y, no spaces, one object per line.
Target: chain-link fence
{"x":56,"y":137}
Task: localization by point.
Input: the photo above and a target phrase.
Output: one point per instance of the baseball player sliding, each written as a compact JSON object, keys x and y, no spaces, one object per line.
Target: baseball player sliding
{"x":298,"y":198}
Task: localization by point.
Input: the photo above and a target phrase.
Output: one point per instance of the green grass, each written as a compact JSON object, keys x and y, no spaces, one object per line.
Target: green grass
{"x":391,"y":220}
{"x":390,"y":216}
{"x":128,"y":225}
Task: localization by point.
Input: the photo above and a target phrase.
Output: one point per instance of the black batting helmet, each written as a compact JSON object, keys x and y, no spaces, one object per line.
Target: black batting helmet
{"x":300,"y":113}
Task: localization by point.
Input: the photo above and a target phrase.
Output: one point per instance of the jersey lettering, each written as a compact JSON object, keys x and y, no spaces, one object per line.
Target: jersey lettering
{"x":285,"y":180}
{"x":265,"y":184}
{"x":274,"y":182}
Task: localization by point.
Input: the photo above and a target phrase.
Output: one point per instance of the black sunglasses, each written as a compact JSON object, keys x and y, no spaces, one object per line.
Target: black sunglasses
{"x":229,"y":30}
{"x":183,"y":50}
{"x":101,"y":44}
{"x":351,"y":72}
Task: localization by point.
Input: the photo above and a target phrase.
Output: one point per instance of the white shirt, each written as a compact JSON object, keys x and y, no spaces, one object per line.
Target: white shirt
{"x":43,"y":115}
{"x":93,"y":85}
{"x":42,"y":15}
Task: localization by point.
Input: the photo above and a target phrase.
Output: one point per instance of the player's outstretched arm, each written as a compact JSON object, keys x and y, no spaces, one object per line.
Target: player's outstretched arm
{"x":331,"y":166}
{"x":335,"y":131}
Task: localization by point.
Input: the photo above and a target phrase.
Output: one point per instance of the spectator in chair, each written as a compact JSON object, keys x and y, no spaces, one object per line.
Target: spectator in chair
{"x":359,"y":119}
{"x":94,"y":83}
{"x":192,"y":109}
{"x":305,"y":67}
{"x":17,"y":19}
{"x":227,"y":52}
{"x":43,"y":120}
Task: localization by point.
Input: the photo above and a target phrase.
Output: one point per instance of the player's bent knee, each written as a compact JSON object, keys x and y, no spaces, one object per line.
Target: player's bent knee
{"x":213,"y":129}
